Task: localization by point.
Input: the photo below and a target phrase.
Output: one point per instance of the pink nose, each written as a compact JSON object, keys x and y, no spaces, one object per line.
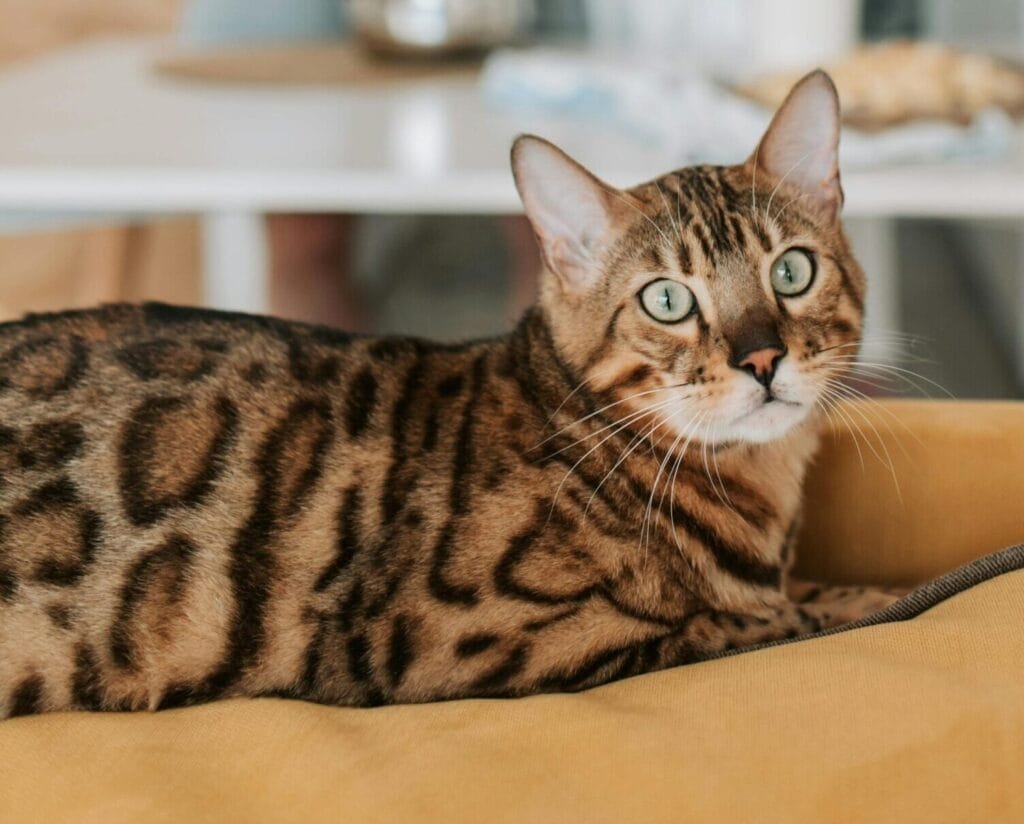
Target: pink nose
{"x":761,"y":364}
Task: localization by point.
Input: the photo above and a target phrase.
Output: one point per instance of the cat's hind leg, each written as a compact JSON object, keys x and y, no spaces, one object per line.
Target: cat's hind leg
{"x":834,"y":606}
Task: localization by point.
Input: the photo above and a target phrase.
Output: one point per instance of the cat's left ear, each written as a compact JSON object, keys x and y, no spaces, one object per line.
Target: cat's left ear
{"x":575,"y":216}
{"x":801,"y":146}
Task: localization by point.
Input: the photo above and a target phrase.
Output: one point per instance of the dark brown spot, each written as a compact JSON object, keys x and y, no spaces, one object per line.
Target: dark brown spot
{"x":45,"y":366}
{"x":27,"y":696}
{"x":179,"y":360}
{"x":173,"y":450}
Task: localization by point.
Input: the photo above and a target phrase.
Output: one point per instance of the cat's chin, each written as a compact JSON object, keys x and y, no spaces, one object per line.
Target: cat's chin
{"x":768,"y":422}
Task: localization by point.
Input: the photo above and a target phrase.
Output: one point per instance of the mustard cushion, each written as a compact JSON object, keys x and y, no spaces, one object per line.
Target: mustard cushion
{"x":917,"y":720}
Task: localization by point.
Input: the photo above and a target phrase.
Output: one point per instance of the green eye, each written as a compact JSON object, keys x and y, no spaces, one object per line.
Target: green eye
{"x":792,"y":272}
{"x":666,"y":300}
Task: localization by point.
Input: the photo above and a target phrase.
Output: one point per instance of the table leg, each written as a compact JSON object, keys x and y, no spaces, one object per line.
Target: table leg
{"x":874,"y":244}
{"x":235,"y":262}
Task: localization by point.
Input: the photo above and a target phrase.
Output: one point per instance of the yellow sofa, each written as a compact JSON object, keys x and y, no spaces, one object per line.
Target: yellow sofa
{"x":915,"y":720}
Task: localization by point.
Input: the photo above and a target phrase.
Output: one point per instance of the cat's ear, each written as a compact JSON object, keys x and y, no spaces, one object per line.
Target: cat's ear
{"x":575,"y":216}
{"x":801,"y":145}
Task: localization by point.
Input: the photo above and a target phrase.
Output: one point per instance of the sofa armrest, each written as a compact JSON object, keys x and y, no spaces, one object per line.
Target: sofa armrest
{"x":942,"y":483}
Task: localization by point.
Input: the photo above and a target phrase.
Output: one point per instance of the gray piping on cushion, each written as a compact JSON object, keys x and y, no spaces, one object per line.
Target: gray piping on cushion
{"x":921,"y":599}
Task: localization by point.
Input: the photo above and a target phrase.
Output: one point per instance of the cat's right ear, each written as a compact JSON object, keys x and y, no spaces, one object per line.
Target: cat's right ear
{"x":575,"y":216}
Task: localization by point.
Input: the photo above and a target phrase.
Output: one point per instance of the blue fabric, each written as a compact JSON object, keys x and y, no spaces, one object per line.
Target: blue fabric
{"x":221,"y":22}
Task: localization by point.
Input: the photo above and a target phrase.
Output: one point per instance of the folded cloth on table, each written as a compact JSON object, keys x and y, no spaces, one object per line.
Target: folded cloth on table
{"x":698,"y":120}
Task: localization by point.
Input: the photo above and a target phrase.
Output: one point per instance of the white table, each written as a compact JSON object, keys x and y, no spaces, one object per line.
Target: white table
{"x":95,"y":131}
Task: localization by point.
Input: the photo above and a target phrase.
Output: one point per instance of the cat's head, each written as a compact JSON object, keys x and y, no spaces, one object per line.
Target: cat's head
{"x":723,"y":299}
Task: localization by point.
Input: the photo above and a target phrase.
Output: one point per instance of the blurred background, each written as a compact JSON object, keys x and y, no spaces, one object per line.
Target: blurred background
{"x":345,"y":161}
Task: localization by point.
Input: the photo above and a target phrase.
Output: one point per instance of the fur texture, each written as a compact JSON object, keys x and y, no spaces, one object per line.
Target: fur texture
{"x":196,"y":504}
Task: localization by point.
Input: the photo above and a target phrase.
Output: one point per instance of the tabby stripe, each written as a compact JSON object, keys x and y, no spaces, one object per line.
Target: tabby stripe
{"x":652,"y":257}
{"x":705,"y":244}
{"x":606,"y":340}
{"x":570,"y":380}
{"x":377,"y":607}
{"x":27,"y":696}
{"x":86,"y":685}
{"x":685,"y":261}
{"x":251,"y":563}
{"x":180,"y":695}
{"x":317,"y":412}
{"x":518,"y":546}
{"x":629,"y":611}
{"x":597,"y":516}
{"x":844,"y":275}
{"x":349,"y":516}
{"x":360,"y":403}
{"x":601,"y":492}
{"x":743,"y":500}
{"x":448,"y":388}
{"x":738,"y":231}
{"x":759,"y":232}
{"x":579,"y":677}
{"x":313,"y":659}
{"x":730,"y":223}
{"x":451,"y":386}
{"x":8,"y":585}
{"x":176,"y":554}
{"x":65,"y":573}
{"x":349,"y":606}
{"x":711,"y":212}
{"x":636,"y":375}
{"x":394,"y":490}
{"x":842,"y":327}
{"x":432,"y":428}
{"x":359,"y":666}
{"x":543,"y":343}
{"x":459,"y":498}
{"x":440,"y":587}
{"x":683,"y":214}
{"x":729,"y":194}
{"x":472,"y":645}
{"x":401,"y":651}
{"x":732,"y":560}
{"x":789,"y":542}
{"x":504,"y":672}
{"x":522,"y":366}
{"x":551,"y":620}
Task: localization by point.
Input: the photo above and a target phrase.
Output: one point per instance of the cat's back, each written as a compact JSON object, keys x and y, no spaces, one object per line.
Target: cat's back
{"x":108,"y":350}
{"x":151,"y":455}
{"x":155,"y":418}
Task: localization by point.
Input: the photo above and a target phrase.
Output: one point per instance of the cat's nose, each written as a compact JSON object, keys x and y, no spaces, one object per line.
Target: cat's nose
{"x":762,"y":363}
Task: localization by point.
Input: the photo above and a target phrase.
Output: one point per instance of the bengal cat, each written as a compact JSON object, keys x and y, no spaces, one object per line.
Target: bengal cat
{"x":196,"y":505}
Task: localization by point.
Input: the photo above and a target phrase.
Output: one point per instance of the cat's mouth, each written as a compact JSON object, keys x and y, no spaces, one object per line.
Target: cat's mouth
{"x":769,"y":418}
{"x":771,"y":406}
